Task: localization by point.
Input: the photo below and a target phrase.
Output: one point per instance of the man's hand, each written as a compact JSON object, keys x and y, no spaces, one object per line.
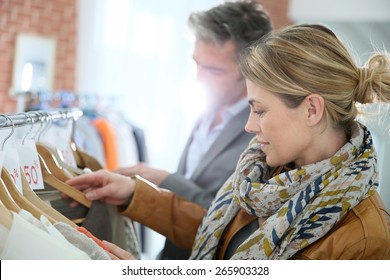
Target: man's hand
{"x":156,"y":176}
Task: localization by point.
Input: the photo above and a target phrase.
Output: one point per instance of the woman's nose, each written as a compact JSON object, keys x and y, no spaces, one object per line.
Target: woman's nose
{"x":250,"y":127}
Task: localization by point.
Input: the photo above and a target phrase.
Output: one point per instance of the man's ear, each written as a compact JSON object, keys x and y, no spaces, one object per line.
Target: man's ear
{"x":315,"y":106}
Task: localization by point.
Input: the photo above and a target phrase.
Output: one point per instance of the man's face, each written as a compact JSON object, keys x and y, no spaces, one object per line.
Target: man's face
{"x":218,"y":72}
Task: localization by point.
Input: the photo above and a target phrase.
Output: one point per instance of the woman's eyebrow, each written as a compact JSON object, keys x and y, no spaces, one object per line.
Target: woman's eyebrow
{"x":251,"y":101}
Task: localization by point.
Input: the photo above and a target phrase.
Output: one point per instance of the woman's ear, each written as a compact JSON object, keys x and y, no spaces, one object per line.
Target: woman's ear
{"x":315,"y":106}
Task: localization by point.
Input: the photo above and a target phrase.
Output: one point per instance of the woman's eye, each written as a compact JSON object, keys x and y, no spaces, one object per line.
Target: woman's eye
{"x":259,"y":112}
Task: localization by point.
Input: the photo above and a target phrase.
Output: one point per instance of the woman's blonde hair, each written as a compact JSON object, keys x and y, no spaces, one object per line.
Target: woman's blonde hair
{"x":300,"y":60}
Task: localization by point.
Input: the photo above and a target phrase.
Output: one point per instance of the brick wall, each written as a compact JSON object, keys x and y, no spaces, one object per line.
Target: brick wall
{"x":49,"y":18}
{"x":57,"y":19}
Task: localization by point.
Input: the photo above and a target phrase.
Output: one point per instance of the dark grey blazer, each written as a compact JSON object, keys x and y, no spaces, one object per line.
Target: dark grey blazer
{"x":218,"y":163}
{"x":216,"y":166}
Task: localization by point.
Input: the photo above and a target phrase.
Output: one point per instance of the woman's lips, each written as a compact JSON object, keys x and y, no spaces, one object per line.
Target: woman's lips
{"x":264,"y":145}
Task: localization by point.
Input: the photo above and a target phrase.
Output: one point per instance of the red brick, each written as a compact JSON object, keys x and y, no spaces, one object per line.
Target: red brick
{"x":42,"y":18}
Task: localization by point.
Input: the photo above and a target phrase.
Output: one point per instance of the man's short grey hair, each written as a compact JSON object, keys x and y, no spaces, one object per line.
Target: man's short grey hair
{"x":242,"y":22}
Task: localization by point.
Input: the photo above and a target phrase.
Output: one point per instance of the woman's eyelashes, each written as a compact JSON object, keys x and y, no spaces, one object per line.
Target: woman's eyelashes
{"x":259,"y":112}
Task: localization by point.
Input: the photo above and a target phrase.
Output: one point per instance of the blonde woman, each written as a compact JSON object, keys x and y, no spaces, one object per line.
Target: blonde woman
{"x":305,"y":188}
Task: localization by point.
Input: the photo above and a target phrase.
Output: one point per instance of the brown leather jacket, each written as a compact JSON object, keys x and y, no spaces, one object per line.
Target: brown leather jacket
{"x":363,"y":234}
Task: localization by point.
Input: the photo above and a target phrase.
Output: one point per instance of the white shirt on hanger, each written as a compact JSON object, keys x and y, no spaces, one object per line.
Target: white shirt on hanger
{"x":24,"y":241}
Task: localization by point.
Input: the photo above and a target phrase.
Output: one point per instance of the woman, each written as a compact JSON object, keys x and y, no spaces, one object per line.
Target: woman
{"x":306,"y":185}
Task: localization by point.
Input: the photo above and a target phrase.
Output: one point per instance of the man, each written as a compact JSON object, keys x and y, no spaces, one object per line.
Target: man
{"x":218,"y":137}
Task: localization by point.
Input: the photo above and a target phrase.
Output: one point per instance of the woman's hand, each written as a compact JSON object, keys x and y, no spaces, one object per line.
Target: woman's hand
{"x":117,"y":253}
{"x":106,"y":186}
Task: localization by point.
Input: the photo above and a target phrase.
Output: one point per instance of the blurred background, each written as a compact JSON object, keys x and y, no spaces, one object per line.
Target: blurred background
{"x":134,"y":58}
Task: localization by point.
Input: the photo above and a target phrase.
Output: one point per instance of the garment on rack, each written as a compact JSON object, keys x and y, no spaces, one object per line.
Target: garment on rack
{"x":87,"y":138}
{"x":121,"y":144}
{"x":55,"y":200}
{"x":25,"y":241}
{"x":125,"y":140}
{"x":73,"y":235}
{"x":97,"y":221}
{"x":102,"y":222}
{"x":83,"y":242}
{"x":139,"y":137}
{"x":107,"y":133}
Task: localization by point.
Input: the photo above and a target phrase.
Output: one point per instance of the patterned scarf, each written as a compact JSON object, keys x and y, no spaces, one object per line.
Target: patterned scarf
{"x":300,"y":205}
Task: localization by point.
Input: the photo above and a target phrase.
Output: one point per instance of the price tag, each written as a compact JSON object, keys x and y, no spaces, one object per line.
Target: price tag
{"x":60,"y":135}
{"x":29,"y":162}
{"x":11,"y":164}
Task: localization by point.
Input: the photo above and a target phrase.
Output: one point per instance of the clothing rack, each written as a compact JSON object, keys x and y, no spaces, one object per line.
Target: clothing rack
{"x":21,"y":119}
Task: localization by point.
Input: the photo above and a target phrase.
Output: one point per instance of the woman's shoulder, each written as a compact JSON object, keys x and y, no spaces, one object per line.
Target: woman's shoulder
{"x":363,"y":234}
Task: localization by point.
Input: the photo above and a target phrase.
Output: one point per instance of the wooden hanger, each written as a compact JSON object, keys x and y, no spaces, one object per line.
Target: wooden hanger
{"x":5,"y":196}
{"x":55,"y":176}
{"x":47,"y":155}
{"x":51,"y":163}
{"x":89,"y":161}
{"x":43,"y":206}
{"x":50,"y":179}
{"x":20,"y":200}
{"x":85,"y":160}
{"x":7,"y":199}
{"x":78,"y":159}
{"x":73,"y":171}
{"x":54,"y":158}
{"x":6,"y":216}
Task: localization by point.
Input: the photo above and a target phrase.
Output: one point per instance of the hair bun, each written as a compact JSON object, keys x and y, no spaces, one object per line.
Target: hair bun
{"x":363,"y":89}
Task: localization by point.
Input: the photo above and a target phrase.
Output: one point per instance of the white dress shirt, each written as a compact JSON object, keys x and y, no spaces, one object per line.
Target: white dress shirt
{"x":204,"y":137}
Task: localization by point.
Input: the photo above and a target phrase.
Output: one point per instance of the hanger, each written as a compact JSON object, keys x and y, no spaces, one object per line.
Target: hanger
{"x":13,"y":190}
{"x":7,"y":199}
{"x":68,"y":169}
{"x":54,"y":176}
{"x":54,"y":158}
{"x":35,"y":199}
{"x":6,"y":216}
{"x":43,"y":206}
{"x":74,"y":170}
{"x":78,"y":159}
{"x":57,"y":184}
{"x":47,"y":156}
{"x":5,"y":196}
{"x":85,"y":160}
{"x":51,"y":163}
{"x":20,"y":200}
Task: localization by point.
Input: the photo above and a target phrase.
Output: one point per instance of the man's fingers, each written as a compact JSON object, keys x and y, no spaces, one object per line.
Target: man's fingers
{"x":127,"y":171}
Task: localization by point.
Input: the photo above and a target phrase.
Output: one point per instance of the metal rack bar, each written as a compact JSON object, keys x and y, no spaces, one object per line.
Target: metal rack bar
{"x":22,"y":119}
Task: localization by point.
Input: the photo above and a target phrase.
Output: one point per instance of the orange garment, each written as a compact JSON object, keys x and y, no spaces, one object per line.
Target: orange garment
{"x":94,"y":238}
{"x":108,"y":135}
